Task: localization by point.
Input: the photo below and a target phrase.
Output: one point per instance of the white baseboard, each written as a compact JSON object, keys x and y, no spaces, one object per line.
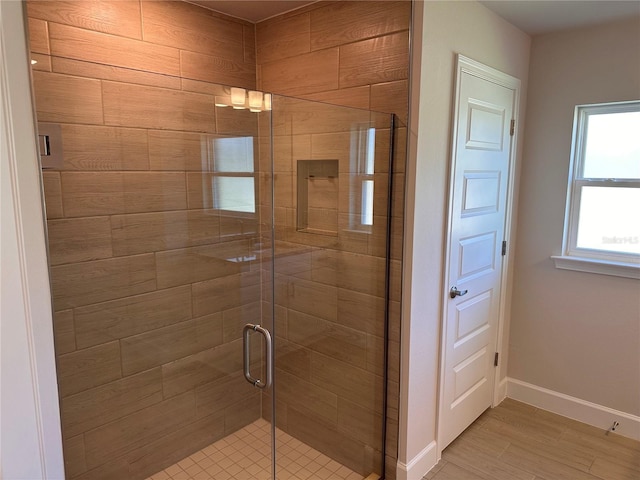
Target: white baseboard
{"x":586,"y":412}
{"x":501,"y":392}
{"x":419,"y":465}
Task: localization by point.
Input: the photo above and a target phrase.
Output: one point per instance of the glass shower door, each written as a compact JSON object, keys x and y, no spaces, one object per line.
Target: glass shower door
{"x":182,"y":235}
{"x":157,"y":265}
{"x":331,"y":209}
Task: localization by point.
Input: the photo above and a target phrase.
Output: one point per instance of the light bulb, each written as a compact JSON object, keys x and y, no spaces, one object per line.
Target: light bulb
{"x":238,"y":96}
{"x":255,"y":101}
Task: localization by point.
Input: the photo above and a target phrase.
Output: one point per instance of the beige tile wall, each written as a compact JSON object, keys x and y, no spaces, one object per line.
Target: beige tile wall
{"x":147,"y":333}
{"x":356,"y":54}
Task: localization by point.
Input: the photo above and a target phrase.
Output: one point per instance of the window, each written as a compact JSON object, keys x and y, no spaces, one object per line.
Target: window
{"x":602,"y":222}
{"x":233,"y":184}
{"x":363,"y":141}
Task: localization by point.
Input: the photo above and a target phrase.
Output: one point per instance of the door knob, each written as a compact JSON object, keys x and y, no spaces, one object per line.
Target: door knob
{"x":454,"y":292}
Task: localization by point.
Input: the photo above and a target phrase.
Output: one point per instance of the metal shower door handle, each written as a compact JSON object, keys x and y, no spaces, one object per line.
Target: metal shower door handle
{"x":246,"y":332}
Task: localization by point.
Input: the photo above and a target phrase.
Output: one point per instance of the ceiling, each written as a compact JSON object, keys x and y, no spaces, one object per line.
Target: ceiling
{"x":532,"y":16}
{"x":251,"y":10}
{"x":544,"y":16}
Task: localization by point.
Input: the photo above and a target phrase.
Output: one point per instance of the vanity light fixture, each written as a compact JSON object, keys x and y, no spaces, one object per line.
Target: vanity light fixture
{"x":240,"y":99}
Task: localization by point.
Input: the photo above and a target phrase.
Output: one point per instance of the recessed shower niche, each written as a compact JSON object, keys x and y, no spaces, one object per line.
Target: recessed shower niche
{"x":318,"y":187}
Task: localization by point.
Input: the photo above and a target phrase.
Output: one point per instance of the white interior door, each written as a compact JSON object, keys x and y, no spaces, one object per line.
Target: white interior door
{"x":485,"y":105}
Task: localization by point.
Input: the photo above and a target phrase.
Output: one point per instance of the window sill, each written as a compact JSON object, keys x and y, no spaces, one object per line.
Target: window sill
{"x":603,"y":267}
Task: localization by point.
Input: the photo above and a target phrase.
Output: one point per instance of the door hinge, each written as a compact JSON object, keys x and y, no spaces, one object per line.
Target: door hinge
{"x":512,"y":130}
{"x":504,"y":248}
{"x":495,"y":359}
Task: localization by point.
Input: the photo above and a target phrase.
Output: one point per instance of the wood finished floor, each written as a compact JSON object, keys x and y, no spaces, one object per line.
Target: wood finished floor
{"x":515,"y":441}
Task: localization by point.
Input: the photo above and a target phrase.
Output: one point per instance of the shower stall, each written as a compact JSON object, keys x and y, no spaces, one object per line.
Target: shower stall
{"x":219,"y":264}
{"x":222,"y":259}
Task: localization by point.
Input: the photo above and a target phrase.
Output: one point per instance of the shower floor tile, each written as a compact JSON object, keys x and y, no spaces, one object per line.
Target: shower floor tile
{"x":245,"y":455}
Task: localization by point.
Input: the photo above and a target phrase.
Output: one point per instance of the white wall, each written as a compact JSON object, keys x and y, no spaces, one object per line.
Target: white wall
{"x":31,"y":446}
{"x":448,"y":28}
{"x":571,"y":332}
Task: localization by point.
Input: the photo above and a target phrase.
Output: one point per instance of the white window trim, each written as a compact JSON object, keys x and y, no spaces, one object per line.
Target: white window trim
{"x":592,"y":265}
{"x":580,"y":259}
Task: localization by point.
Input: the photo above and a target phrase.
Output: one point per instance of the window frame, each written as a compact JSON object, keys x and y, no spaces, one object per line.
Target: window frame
{"x":363,"y":150}
{"x":214,"y":173}
{"x":585,"y":259}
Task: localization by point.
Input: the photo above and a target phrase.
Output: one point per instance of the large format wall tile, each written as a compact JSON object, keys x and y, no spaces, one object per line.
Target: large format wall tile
{"x":196,"y":264}
{"x":308,"y":297}
{"x":116,"y":319}
{"x":91,"y":367}
{"x":361,"y":311}
{"x":78,"y":284}
{"x":157,"y":347}
{"x":62,"y":98}
{"x":305,"y":395}
{"x":210,"y":68}
{"x":358,"y":422}
{"x":137,"y":429}
{"x":312,"y":72}
{"x":225,"y":292}
{"x":391,"y":97}
{"x":347,"y":381}
{"x":39,"y":36}
{"x":282,"y":38}
{"x":202,"y":368}
{"x":214,"y":397}
{"x":119,"y":17}
{"x":326,"y":437}
{"x":381,"y":59}
{"x":82,"y":68}
{"x":175,"y":445}
{"x":92,"y":193}
{"x":74,"y":463}
{"x":249,"y":44}
{"x":340,"y":23}
{"x":342,"y":343}
{"x":129,"y":105}
{"x":189,"y":27}
{"x":52,"y":194}
{"x":104,"y":148}
{"x":178,"y":151}
{"x":108,"y":193}
{"x":71,"y":42}
{"x":156,"y":232}
{"x":64,"y":332}
{"x":355,"y":97}
{"x":76,"y":240}
{"x":98,"y":406}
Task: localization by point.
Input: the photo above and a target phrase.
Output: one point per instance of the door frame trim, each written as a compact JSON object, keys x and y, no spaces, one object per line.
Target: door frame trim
{"x":32,"y":439}
{"x":473,"y":67}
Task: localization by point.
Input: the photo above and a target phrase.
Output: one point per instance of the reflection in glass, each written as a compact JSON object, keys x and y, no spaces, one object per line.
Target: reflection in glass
{"x":363,"y":140}
{"x":235,"y":194}
{"x":233,"y":187}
